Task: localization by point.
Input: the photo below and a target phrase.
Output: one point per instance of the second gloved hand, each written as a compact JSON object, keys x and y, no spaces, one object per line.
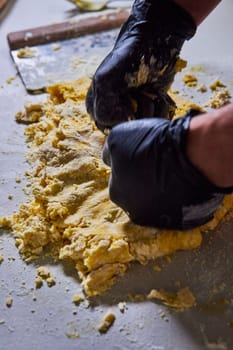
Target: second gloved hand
{"x":152,"y":179}
{"x":133,"y":80}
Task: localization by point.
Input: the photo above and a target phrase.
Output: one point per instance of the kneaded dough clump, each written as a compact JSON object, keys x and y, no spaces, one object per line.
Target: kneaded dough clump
{"x":69,"y":212}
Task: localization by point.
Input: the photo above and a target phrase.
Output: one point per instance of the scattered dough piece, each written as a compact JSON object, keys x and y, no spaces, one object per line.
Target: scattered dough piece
{"x":157,"y":268}
{"x":9,"y":80}
{"x":219,"y":99}
{"x":1,"y":258}
{"x":107,"y":322}
{"x":5,"y":222}
{"x":38,"y":282}
{"x":9,"y":301}
{"x":180,"y":65}
{"x":44,"y":274}
{"x":56,"y":47}
{"x":122,"y":306}
{"x":77,"y":299}
{"x":26,"y":52}
{"x":86,"y":304}
{"x":183,"y":299}
{"x":190,"y":80}
{"x":51,"y":281}
{"x":216,"y":85}
{"x":32,"y":113}
{"x":202,"y":88}
{"x":174,"y":92}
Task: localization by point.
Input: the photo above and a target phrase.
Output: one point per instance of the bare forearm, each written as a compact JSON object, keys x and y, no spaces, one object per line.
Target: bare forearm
{"x":198,"y":9}
{"x":210,"y":145}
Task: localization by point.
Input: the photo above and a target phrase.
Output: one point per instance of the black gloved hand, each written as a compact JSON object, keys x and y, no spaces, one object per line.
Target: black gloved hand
{"x":153,"y":181}
{"x":134,"y":78}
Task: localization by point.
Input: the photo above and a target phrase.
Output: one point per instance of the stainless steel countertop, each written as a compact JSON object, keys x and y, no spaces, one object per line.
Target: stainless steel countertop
{"x":44,"y":318}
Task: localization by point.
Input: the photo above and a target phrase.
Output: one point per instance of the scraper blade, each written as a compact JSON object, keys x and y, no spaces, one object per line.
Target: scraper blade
{"x":48,"y":55}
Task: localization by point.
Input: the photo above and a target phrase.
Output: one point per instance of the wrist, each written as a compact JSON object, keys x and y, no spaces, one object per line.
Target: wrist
{"x":166,"y":17}
{"x":198,"y":9}
{"x":209,"y":146}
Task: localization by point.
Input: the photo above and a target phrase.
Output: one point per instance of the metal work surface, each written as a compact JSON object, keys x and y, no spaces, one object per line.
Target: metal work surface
{"x":46,"y":317}
{"x":73,"y":60}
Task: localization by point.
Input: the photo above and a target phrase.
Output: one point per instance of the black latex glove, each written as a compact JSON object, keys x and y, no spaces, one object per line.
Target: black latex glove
{"x":134,"y":78}
{"x":153,"y":181}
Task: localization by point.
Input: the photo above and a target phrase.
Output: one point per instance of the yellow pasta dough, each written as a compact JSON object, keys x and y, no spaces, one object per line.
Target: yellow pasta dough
{"x":69,"y":211}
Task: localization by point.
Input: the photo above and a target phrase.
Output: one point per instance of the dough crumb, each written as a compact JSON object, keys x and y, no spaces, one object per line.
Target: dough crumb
{"x":107,"y":322}
{"x":38,"y":282}
{"x":202,"y":88}
{"x":9,"y":301}
{"x":122,"y":306}
{"x":157,"y":268}
{"x":56,"y":47}
{"x":183,"y":299}
{"x":1,"y":258}
{"x":26,"y":52}
{"x":77,"y":299}
{"x":175,"y":92}
{"x":180,"y":65}
{"x":216,"y":85}
{"x":86,"y":303}
{"x":190,"y":80}
{"x":44,"y":274}
{"x":9,"y":80}
{"x":5,"y":222}
{"x":51,"y":281}
{"x":31,"y":114}
{"x":163,"y":315}
{"x":219,"y":99}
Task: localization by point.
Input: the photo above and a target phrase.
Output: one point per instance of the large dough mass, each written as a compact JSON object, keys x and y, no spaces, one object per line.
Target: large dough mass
{"x":69,"y":211}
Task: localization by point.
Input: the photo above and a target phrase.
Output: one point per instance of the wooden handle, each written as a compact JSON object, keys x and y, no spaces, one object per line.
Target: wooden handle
{"x":65,"y":30}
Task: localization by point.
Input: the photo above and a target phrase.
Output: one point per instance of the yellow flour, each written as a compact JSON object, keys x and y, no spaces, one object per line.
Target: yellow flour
{"x":69,"y":211}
